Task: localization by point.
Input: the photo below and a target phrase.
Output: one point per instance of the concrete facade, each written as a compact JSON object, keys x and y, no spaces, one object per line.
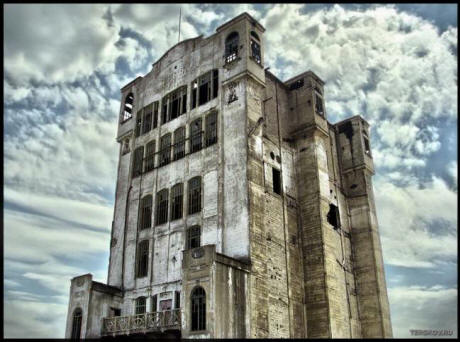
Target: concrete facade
{"x":289,"y":243}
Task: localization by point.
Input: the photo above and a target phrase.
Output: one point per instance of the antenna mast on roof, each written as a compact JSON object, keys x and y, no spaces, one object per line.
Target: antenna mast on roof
{"x":180,"y":12}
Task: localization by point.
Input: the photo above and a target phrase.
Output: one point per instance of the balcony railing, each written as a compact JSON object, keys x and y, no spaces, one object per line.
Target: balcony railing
{"x":143,"y":323}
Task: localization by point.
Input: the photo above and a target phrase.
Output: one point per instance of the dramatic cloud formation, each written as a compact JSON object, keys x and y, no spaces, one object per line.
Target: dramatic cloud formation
{"x":64,"y":65}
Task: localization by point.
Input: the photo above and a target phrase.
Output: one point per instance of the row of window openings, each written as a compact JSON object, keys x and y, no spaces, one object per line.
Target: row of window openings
{"x":192,"y":240}
{"x":204,"y":89}
{"x":177,"y":204}
{"x":178,"y":148}
{"x":232,"y":46}
{"x":198,"y":307}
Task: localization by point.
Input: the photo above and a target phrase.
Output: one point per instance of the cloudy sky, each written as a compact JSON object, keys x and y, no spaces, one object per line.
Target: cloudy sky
{"x":64,"y":65}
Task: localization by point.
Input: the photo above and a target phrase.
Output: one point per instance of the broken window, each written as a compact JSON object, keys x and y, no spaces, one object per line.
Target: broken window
{"x":205,"y":88}
{"x":179,"y":143}
{"x":162,"y":206}
{"x":128,"y":107}
{"x":319,"y":104}
{"x":165,"y":149}
{"x":231,"y":47}
{"x":147,"y":120}
{"x":177,"y":300}
{"x":142,"y":260}
{"x":255,"y":47}
{"x":138,"y":123}
{"x":150,"y":156}
{"x":145,"y":220}
{"x":333,"y":216}
{"x":195,"y":136}
{"x":297,"y":84}
{"x":194,"y":195}
{"x":155,"y":303}
{"x":140,"y":305}
{"x":198,"y":306}
{"x":276,"y":181}
{"x":177,"y":200}
{"x":137,"y":162}
{"x":211,"y":129}
{"x":193,"y":237}
{"x":155,"y":114}
{"x":76,"y":324}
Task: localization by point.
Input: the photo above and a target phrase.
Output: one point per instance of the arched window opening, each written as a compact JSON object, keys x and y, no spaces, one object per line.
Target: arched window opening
{"x":128,"y":107}
{"x":198,"y":304}
{"x":255,"y":35}
{"x":142,"y":258}
{"x":193,"y":237}
{"x":231,"y":47}
{"x":194,"y":195}
{"x":145,"y":221}
{"x":255,"y":48}
{"x":140,"y":305}
{"x":76,"y":324}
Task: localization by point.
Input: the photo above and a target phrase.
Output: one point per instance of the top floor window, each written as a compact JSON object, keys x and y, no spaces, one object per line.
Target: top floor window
{"x":174,"y":104}
{"x":231,"y":47}
{"x":205,"y":88}
{"x":147,"y":119}
{"x":128,"y":107}
{"x":319,"y":104}
{"x":255,"y":47}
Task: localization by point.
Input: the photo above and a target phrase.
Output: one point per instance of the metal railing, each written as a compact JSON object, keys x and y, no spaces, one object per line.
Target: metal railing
{"x":143,"y":323}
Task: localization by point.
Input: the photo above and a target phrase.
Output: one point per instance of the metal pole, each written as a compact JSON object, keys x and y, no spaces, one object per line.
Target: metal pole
{"x":180,"y":13}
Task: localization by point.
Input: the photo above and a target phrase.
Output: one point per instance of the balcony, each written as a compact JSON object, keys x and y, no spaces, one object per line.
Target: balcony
{"x":141,"y":324}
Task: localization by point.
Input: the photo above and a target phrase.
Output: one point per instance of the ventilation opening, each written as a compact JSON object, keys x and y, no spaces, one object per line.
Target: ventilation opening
{"x":276,"y":181}
{"x":333,"y":216}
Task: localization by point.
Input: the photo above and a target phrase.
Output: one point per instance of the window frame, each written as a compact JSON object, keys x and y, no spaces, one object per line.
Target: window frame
{"x":194,"y":199}
{"x":162,"y":209}
{"x":165,"y":150}
{"x":198,"y":309}
{"x":149,"y":163}
{"x":127,"y":112}
{"x":142,"y":264}
{"x":179,"y":145}
{"x":138,"y":305}
{"x":196,"y":135}
{"x":177,"y":209}
{"x":145,"y":216}
{"x":193,"y":233}
{"x":77,"y":318}
{"x":211,"y":133}
{"x":138,"y":161}
{"x":231,"y":47}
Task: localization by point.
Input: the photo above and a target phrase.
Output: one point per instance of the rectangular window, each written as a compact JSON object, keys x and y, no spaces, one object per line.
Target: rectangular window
{"x":145,"y":221}
{"x":155,"y":303}
{"x":184,"y":100}
{"x":138,"y":123}
{"x":150,"y":156}
{"x":194,"y":93}
{"x":276,"y":181}
{"x":195,"y":133}
{"x":193,"y":237}
{"x":177,"y":300}
{"x":319,"y":105}
{"x":204,"y":89}
{"x":140,"y":305}
{"x":174,"y":106}
{"x":211,"y":129}
{"x":155,"y":114}
{"x":164,"y":112}
{"x":177,"y":200}
{"x":179,"y":143}
{"x":165,"y":149}
{"x":255,"y":50}
{"x":143,"y":259}
{"x":194,"y":195}
{"x":367,"y":148}
{"x":147,"y":123}
{"x":137,"y":162}
{"x":215,"y":83}
{"x":162,"y":206}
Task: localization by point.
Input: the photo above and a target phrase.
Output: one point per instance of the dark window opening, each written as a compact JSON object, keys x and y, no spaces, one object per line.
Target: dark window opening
{"x":195,"y":132}
{"x":162,"y":206}
{"x":204,"y":90}
{"x":177,"y":200}
{"x":114,"y":312}
{"x":179,"y":143}
{"x":138,"y":159}
{"x":150,"y":156}
{"x":184,"y":101}
{"x":174,"y":106}
{"x":147,"y":123}
{"x":76,"y":324}
{"x":145,"y":221}
{"x":177,"y":300}
{"x":164,"y":111}
{"x":155,"y":303}
{"x":319,"y":105}
{"x":128,"y":107}
{"x":255,"y":51}
{"x":138,"y":123}
{"x":194,"y":195}
{"x":198,"y":299}
{"x":193,"y":237}
{"x":215,"y":83}
{"x":143,"y":259}
{"x":276,"y":181}
{"x":333,"y":216}
{"x":231,"y":47}
{"x":297,"y":84}
{"x":140,"y":305}
{"x":155,"y":114}
{"x":367,"y":148}
{"x":165,"y":149}
{"x":194,"y":93}
{"x":211,"y":129}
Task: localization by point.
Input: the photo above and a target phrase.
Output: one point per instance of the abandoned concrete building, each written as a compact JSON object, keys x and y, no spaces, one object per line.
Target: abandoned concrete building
{"x":240,"y":211}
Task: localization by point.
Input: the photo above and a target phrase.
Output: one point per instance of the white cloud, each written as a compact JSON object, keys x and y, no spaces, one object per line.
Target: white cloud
{"x":423,"y":308}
